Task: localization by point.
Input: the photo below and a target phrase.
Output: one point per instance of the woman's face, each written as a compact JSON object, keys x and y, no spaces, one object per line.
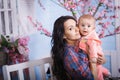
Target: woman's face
{"x":71,"y":31}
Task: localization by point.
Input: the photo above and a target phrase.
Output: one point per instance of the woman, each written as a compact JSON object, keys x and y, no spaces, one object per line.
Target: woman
{"x":69,"y":62}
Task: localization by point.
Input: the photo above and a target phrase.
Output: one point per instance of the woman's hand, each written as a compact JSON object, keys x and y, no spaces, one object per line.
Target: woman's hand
{"x":101,"y":59}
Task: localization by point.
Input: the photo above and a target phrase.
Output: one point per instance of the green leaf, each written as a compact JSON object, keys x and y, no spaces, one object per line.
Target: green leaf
{"x":10,"y":45}
{"x":16,"y":42}
{"x":4,"y":41}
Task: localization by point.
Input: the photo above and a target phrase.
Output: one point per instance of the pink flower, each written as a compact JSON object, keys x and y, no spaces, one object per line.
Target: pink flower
{"x":102,"y":1}
{"x":39,"y":28}
{"x":106,"y":25}
{"x":101,"y":35}
{"x":117,"y":29}
{"x":21,"y":49}
{"x":23,"y":41}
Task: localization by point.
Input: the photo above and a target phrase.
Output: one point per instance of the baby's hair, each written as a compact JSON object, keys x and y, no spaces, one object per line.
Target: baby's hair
{"x":86,"y":16}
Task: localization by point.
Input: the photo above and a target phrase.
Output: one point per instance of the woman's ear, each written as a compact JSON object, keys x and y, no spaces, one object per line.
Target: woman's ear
{"x":64,"y":37}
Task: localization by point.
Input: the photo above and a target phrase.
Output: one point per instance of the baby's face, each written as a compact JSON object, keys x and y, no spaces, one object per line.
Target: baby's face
{"x":86,"y":26}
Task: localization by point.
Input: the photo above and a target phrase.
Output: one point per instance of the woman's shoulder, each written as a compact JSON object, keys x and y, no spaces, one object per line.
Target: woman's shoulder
{"x":69,"y":50}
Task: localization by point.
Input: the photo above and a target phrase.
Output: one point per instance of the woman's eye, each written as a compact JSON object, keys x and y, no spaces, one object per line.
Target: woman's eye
{"x":83,"y":25}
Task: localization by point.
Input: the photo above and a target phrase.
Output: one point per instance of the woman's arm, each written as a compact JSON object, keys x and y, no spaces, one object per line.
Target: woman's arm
{"x":93,"y":67}
{"x":100,"y":60}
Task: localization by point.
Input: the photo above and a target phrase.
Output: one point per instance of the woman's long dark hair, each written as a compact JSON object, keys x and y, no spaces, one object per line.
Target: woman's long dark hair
{"x":58,"y":45}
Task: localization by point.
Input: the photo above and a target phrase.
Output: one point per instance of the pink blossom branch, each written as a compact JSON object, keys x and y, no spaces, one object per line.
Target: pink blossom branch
{"x":38,"y":26}
{"x":99,"y":4}
{"x":73,"y":13}
{"x":103,"y":17}
{"x":41,"y":5}
{"x":110,"y":34}
{"x":61,"y":4}
{"x":116,"y":31}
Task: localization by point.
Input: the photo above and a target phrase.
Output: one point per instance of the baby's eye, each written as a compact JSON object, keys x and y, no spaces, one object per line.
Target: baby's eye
{"x":88,"y":25}
{"x":70,"y":28}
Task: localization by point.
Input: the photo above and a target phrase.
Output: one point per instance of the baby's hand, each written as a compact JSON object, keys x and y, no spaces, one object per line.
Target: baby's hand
{"x":101,"y":59}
